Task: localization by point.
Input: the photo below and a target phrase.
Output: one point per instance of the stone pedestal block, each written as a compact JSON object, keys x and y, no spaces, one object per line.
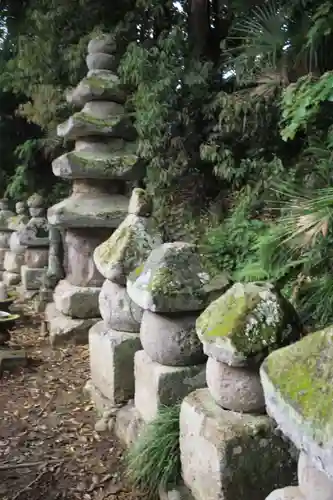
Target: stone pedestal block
{"x":233,"y":388}
{"x":13,"y":262}
{"x":128,"y":424}
{"x":117,"y":310}
{"x":11,"y":279}
{"x":36,"y":257}
{"x":63,"y":329}
{"x":32,"y":279}
{"x":157,"y":385}
{"x":81,"y":244}
{"x":231,"y":456}
{"x":75,"y":301}
{"x":3,"y":252}
{"x":112,"y":362}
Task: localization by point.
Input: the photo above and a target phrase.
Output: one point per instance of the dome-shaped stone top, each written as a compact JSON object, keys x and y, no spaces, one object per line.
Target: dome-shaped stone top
{"x":104,"y":43}
{"x":35,"y":201}
{"x":172,"y":279}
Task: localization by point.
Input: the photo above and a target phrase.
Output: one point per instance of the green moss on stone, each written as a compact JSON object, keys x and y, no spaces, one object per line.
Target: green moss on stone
{"x":114,"y":162}
{"x":302,"y":373}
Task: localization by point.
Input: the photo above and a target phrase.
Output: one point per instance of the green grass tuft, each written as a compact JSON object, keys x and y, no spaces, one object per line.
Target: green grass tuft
{"x":154,"y":459}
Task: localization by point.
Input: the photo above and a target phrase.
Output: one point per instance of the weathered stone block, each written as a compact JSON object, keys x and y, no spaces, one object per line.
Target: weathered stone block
{"x":117,"y":310}
{"x":171,"y":341}
{"x":36,"y":257}
{"x":112,"y":362}
{"x":11,"y":279}
{"x":11,"y":359}
{"x":231,"y":456}
{"x":13,"y":262}
{"x":157,"y":385}
{"x":32,"y":279}
{"x":233,"y":388}
{"x":64,"y":330}
{"x":3,"y":252}
{"x":75,"y":301}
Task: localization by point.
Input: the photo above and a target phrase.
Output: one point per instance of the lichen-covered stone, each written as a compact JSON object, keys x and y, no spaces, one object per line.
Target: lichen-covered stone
{"x":141,"y":203}
{"x":247,"y":321}
{"x":97,"y":85}
{"x":297,"y":383}
{"x":172,"y":279}
{"x":127,"y":248}
{"x":117,"y":310}
{"x":313,"y":483}
{"x":88,"y":210}
{"x":85,"y":165}
{"x":82,"y":124}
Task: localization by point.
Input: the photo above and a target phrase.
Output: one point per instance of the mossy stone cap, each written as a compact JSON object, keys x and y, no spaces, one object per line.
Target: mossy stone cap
{"x":297,"y":382}
{"x":172,"y":279}
{"x":247,"y":321}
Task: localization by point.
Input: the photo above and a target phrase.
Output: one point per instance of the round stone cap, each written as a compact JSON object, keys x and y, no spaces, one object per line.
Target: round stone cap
{"x":20,"y":207}
{"x":35,"y":201}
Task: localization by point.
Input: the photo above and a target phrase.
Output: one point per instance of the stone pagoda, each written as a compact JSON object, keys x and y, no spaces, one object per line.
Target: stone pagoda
{"x":5,"y":232}
{"x":15,"y":256}
{"x":103,"y":160}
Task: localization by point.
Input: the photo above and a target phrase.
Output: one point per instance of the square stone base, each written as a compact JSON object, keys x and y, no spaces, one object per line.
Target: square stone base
{"x":158,"y":385}
{"x":76,"y":301}
{"x":231,"y":456}
{"x":11,"y":279}
{"x":112,"y":362}
{"x":32,"y":278}
{"x":66,"y":330}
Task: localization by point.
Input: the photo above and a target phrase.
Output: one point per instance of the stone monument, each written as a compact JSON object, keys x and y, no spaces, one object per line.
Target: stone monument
{"x":15,"y":256}
{"x":114,"y":341}
{"x":297,"y":383}
{"x":103,"y":160}
{"x":172,"y":288}
{"x":5,"y":232}
{"x":35,"y":238}
{"x":229,"y":448}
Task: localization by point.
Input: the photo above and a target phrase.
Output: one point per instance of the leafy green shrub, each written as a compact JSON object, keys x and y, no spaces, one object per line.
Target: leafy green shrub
{"x":154,"y":458}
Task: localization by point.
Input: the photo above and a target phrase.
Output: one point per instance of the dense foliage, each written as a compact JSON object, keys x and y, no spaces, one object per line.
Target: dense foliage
{"x":233,"y":106}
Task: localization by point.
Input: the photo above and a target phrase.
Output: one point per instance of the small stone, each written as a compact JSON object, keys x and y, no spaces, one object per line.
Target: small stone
{"x":117,"y":310}
{"x":288,"y":493}
{"x":32,"y":279}
{"x":313,"y":483}
{"x":128,"y":424}
{"x":103,"y":43}
{"x":171,"y":280}
{"x":141,"y":203}
{"x":100,"y":60}
{"x":11,"y":359}
{"x":171,"y":341}
{"x":101,"y":425}
{"x":246,"y":322}
{"x":127,"y":248}
{"x":297,"y":383}
{"x":236,"y":389}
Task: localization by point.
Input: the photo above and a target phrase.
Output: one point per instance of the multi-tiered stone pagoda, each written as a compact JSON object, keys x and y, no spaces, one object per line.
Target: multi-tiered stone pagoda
{"x":103,"y":160}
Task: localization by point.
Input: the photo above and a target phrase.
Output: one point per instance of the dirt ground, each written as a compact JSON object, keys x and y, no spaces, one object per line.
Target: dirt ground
{"x":48,"y":446}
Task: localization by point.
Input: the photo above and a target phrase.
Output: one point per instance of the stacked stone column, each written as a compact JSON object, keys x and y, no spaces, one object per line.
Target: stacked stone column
{"x":170,"y":288}
{"x":103,"y":160}
{"x":297,"y":383}
{"x":114,"y":341}
{"x":5,"y":232}
{"x":15,"y":256}
{"x":34,"y":238}
{"x":229,"y":448}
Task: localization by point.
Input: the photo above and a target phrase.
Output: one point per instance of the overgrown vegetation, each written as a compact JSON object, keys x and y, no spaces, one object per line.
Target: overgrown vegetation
{"x":233,"y":105}
{"x":154,"y":458}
